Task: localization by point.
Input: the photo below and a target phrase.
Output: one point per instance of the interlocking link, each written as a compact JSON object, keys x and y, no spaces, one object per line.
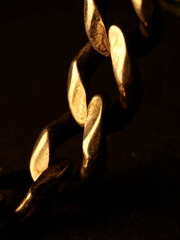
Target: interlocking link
{"x":95,"y":27}
{"x":98,"y":116}
{"x":79,"y":74}
{"x":43,"y":186}
{"x":121,"y":64}
{"x":94,"y":140}
{"x":50,"y":138}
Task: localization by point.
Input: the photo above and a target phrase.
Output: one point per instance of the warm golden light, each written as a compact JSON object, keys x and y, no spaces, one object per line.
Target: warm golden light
{"x":90,"y":11}
{"x":95,"y":28}
{"x":40,"y":157}
{"x":144,"y":9}
{"x":76,"y":95}
{"x":120,"y":61}
{"x":24,"y":203}
{"x":92,"y":129}
{"x":118,"y":52}
{"x":137,"y":6}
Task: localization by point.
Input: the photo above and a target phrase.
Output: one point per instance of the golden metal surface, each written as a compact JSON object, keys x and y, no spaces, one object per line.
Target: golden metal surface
{"x":95,"y":28}
{"x":76,"y":94}
{"x":49,"y":140}
{"x":40,"y":189}
{"x":120,"y":61}
{"x":144,"y":10}
{"x":25,"y":202}
{"x":92,"y":128}
{"x":40,"y":156}
{"x":49,"y":178}
{"x":92,"y":138}
{"x":76,"y":86}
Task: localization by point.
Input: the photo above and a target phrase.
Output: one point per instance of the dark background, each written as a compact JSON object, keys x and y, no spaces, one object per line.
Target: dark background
{"x":138,"y":195}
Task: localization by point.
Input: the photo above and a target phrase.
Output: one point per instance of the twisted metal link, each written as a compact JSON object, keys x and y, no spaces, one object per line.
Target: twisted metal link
{"x":98,"y":116}
{"x":113,"y":44}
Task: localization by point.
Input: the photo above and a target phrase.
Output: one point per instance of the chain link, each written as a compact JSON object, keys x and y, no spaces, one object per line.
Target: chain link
{"x":98,"y":116}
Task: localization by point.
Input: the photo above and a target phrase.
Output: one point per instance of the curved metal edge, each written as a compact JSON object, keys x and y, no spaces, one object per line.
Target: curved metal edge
{"x":94,"y":140}
{"x":95,"y":28}
{"x":80,"y":71}
{"x":50,"y":138}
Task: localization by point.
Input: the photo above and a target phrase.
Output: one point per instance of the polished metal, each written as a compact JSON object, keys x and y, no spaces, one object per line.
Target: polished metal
{"x":120,"y":62}
{"x":43,"y":187}
{"x":93,"y":138}
{"x":40,"y":156}
{"x":96,"y":118}
{"x":76,"y":89}
{"x":50,"y":138}
{"x":144,"y":10}
{"x":145,"y":38}
{"x":76,"y":95}
{"x":95,"y":27}
{"x":81,"y":68}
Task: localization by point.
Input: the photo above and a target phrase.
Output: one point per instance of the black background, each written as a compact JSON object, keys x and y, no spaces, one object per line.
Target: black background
{"x":138,"y":195}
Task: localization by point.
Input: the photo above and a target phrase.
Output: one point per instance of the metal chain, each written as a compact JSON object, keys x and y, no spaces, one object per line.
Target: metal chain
{"x":113,"y":44}
{"x":98,"y":116}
